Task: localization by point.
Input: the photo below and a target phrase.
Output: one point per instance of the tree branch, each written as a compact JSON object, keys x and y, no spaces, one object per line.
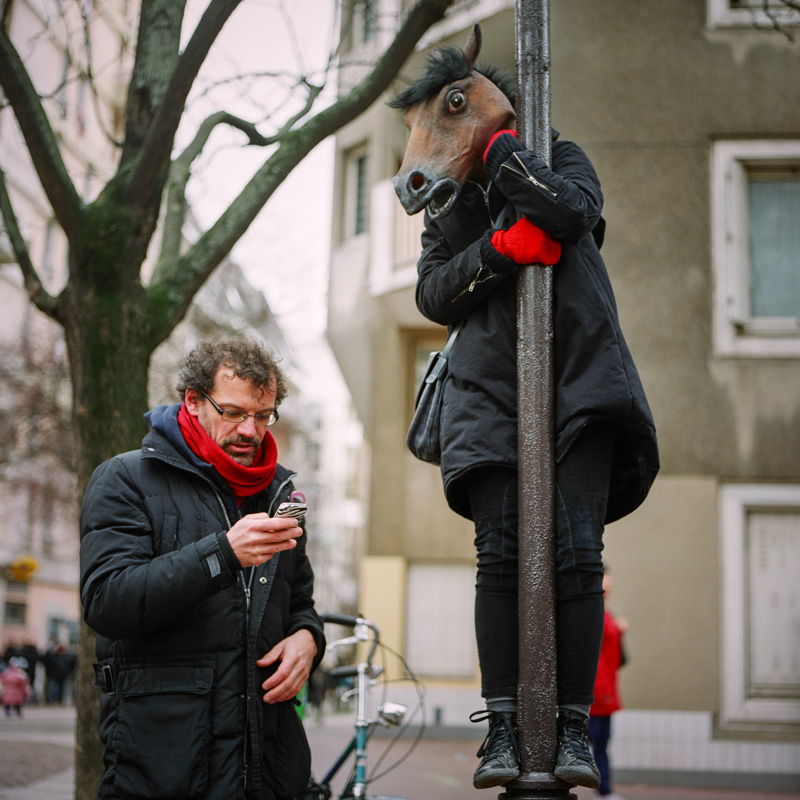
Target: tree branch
{"x":149,"y":172}
{"x":177,"y":282}
{"x":180,"y":171}
{"x":100,"y":116}
{"x":39,"y":296}
{"x":39,"y":138}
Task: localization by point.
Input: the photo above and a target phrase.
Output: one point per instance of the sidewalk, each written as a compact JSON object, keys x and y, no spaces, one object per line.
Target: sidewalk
{"x":37,"y":762}
{"x":37,"y":754}
{"x":441,"y":769}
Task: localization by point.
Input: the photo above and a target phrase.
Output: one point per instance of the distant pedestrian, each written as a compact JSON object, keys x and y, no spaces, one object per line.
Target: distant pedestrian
{"x":15,"y":686}
{"x":606,"y":691}
{"x":59,"y":665}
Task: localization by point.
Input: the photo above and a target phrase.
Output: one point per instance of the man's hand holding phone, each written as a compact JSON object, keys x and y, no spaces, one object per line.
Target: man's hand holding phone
{"x":255,"y":538}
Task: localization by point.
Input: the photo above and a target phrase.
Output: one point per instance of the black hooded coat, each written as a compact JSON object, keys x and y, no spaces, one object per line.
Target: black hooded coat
{"x":181,"y":714}
{"x":462,"y":277}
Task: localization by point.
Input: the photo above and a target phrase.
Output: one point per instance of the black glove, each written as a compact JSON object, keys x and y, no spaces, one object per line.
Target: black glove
{"x":500,"y":148}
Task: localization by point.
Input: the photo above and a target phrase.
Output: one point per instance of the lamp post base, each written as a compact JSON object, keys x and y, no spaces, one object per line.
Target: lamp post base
{"x":537,"y":786}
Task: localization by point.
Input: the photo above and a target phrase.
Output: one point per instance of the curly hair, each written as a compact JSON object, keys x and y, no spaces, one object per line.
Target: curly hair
{"x":246,"y":358}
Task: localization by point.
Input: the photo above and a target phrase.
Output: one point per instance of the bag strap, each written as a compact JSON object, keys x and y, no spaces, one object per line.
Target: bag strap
{"x":451,"y":340}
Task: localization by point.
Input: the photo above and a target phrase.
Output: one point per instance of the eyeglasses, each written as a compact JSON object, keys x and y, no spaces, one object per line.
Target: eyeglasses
{"x":238,"y":417}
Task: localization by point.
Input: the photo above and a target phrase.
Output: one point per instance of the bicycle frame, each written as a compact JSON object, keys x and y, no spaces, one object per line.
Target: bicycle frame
{"x":364,"y":672}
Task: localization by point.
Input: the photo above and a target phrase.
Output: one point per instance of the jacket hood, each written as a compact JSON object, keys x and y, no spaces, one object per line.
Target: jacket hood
{"x":164,"y":421}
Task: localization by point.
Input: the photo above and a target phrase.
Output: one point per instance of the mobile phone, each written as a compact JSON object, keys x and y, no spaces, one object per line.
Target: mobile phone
{"x":296,"y":510}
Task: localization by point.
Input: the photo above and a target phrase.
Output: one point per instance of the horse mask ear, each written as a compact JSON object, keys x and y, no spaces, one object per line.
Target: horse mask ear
{"x":473,"y":45}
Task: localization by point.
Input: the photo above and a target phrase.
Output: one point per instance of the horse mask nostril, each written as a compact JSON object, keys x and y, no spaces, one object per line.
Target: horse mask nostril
{"x":417,"y":181}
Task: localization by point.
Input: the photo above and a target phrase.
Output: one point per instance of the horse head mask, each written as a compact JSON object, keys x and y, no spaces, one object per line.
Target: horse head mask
{"x":451,"y":113}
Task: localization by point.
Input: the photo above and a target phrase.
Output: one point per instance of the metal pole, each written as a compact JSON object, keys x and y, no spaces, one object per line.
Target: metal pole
{"x":537,"y":659}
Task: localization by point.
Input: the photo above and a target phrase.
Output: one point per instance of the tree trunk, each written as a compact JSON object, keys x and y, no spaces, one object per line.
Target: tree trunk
{"x":109,"y":346}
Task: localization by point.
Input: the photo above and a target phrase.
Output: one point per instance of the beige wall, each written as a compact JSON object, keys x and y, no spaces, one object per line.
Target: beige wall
{"x":664,"y":560}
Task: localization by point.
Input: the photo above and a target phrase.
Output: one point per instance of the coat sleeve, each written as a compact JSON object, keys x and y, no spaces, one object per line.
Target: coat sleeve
{"x":127,"y":587}
{"x":449,"y":283}
{"x":566,"y":201}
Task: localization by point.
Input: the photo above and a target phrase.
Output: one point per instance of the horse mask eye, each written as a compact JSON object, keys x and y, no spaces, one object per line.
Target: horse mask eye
{"x":456,"y":100}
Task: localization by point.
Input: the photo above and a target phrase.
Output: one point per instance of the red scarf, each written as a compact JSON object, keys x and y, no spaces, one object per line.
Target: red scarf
{"x":244,"y":481}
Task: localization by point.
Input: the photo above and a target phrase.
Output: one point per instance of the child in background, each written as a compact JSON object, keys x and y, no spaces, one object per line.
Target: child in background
{"x":15,"y":688}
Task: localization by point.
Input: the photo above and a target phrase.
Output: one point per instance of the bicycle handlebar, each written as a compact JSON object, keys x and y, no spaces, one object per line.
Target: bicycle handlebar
{"x":341,"y":619}
{"x":343,"y":672}
{"x":355,"y":622}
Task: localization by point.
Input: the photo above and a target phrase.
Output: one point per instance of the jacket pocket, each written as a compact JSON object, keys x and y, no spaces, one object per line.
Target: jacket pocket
{"x":162,"y":735}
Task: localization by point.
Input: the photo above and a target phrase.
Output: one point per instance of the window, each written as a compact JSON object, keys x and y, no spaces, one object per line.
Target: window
{"x":64,"y":631}
{"x":359,"y":23}
{"x":751,"y":13}
{"x":441,"y":602}
{"x":15,"y":613}
{"x":48,"y":258}
{"x":357,"y":188}
{"x":756,"y":247}
{"x":760,"y":548}
{"x":369,"y":20}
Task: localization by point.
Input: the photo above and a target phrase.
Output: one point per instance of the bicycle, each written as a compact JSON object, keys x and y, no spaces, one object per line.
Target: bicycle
{"x":388,"y":714}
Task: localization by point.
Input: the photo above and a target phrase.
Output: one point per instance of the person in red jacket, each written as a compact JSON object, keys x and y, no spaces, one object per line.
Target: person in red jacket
{"x":606,"y":691}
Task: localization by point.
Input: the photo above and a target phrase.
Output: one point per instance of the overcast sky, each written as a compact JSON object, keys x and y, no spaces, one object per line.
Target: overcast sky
{"x":285,"y":251}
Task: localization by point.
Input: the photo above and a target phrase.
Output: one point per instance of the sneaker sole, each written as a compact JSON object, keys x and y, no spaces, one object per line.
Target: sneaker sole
{"x":489,"y":781}
{"x":587,"y":780}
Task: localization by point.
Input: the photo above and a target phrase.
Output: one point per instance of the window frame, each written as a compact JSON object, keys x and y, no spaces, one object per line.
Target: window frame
{"x":352,"y":158}
{"x":720,"y":14}
{"x":738,"y":710}
{"x":736,"y":333}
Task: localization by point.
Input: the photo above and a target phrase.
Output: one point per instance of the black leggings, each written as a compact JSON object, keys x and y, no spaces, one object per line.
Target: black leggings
{"x":582,"y":481}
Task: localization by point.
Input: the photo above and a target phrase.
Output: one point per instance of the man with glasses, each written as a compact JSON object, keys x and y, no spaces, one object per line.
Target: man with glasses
{"x":200,"y":596}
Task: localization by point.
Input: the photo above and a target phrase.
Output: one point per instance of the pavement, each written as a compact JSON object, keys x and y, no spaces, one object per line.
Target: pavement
{"x":37,"y":763}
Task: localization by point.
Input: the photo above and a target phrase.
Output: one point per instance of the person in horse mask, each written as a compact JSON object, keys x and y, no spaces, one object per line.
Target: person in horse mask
{"x":202,"y":598}
{"x":465,"y":164}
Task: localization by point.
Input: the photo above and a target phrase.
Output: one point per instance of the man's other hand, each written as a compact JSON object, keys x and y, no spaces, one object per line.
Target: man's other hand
{"x":295,"y":654}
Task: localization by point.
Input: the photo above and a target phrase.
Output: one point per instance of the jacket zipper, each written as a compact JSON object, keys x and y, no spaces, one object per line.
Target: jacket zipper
{"x":527,"y":174}
{"x":247,"y":586}
{"x":475,"y":281}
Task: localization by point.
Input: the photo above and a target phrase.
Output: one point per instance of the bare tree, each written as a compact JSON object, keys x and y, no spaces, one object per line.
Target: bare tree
{"x":112,"y":318}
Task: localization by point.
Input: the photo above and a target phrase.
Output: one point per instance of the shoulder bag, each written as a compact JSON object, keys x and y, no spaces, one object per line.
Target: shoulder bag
{"x":423,"y":434}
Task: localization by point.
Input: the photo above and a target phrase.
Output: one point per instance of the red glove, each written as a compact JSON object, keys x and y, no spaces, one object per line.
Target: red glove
{"x":526,"y":243}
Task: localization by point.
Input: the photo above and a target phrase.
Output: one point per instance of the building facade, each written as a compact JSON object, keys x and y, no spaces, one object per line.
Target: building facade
{"x":691,"y":115}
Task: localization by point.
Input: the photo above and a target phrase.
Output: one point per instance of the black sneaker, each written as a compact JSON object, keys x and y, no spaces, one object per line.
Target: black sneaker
{"x":574,"y":762}
{"x":499,"y":751}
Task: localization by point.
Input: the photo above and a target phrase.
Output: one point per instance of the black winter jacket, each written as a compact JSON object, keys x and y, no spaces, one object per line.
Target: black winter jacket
{"x":181,"y":711}
{"x":462,"y":277}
